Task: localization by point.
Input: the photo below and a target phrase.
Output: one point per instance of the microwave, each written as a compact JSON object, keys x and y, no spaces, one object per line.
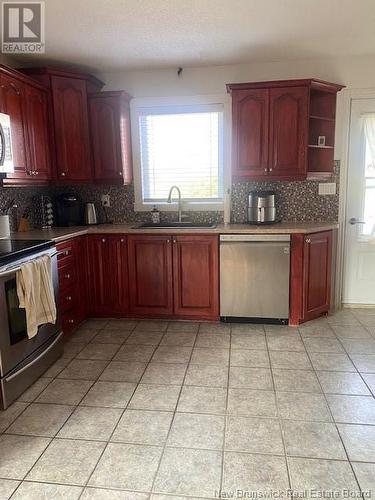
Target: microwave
{"x":6,"y":155}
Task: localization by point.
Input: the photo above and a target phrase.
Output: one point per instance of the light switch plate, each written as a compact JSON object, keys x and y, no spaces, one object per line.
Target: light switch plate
{"x":327,"y":188}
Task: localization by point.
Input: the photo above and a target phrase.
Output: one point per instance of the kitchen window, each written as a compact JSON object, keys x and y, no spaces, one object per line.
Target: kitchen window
{"x":182,"y":145}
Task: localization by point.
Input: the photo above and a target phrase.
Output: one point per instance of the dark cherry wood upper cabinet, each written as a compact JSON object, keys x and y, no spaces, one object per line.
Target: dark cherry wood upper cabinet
{"x":73,"y":157}
{"x":288,"y":131}
{"x":37,"y":132}
{"x":110,"y":135}
{"x":150,"y":275}
{"x":195,"y":273}
{"x":12,"y":102}
{"x":288,"y":116}
{"x":26,"y":102}
{"x":250,"y":132}
{"x":311,"y":275}
{"x":68,"y":111}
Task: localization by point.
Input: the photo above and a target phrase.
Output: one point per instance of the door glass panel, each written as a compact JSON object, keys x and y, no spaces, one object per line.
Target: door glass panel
{"x":16,"y":315}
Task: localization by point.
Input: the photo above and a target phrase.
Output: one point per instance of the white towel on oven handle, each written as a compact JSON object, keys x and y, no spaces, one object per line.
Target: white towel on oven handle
{"x":35,"y":293}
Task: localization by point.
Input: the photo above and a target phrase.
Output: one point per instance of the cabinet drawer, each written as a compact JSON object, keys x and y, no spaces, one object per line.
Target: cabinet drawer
{"x":68,"y":299}
{"x":65,"y":253}
{"x":70,"y":321}
{"x":67,"y":275}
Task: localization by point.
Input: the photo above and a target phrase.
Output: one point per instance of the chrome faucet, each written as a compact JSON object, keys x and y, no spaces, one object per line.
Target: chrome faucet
{"x":169,"y":200}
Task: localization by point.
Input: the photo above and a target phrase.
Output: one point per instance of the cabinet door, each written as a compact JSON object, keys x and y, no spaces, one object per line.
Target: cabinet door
{"x":317,"y":261}
{"x":150,"y":275}
{"x":12,"y":102}
{"x":81,"y":253}
{"x":196,"y":269}
{"x":97,"y":257}
{"x":110,"y":132}
{"x":118,"y":280}
{"x":71,"y":129}
{"x":108,"y":284}
{"x":288,"y":132}
{"x":37,"y":132}
{"x":250,"y":132}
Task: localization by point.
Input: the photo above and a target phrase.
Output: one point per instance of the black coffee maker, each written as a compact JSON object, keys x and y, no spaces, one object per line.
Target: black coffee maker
{"x":69,"y":210}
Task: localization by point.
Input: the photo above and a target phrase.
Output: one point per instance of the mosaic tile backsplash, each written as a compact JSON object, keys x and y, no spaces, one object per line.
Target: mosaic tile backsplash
{"x":295,"y":201}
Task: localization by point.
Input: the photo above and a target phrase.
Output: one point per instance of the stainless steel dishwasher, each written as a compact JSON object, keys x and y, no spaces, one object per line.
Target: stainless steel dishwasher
{"x":254,"y":277}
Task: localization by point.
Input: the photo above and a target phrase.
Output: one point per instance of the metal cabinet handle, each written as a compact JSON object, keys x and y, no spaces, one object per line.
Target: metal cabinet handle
{"x":308,"y":240}
{"x":103,"y":240}
{"x":71,"y":321}
{"x":65,"y":253}
{"x":67,"y":276}
{"x":266,"y":169}
{"x":68,"y":297}
{"x":63,"y":174}
{"x":270,"y":169}
{"x":120,"y":173}
{"x":122,"y":240}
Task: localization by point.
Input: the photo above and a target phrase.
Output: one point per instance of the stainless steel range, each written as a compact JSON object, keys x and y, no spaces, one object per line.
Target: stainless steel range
{"x":23,"y":360}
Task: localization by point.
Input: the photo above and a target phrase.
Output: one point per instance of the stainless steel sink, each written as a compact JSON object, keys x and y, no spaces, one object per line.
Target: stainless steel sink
{"x":175,"y":225}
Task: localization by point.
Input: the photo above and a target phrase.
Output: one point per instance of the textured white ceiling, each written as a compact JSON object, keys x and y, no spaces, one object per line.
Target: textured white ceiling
{"x":113,"y":35}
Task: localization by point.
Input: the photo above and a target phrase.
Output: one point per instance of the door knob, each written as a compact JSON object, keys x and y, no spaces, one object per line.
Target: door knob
{"x":354,"y":221}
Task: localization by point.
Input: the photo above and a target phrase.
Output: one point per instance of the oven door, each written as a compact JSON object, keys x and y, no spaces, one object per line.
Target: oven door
{"x":15,"y":345}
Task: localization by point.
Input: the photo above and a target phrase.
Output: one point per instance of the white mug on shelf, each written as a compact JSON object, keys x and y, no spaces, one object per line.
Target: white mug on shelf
{"x":4,"y":226}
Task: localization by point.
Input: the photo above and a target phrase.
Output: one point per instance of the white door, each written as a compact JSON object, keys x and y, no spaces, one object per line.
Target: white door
{"x":359,"y":271}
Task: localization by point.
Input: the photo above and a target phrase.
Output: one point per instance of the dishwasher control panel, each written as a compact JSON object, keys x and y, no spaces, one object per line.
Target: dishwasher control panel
{"x":254,"y":237}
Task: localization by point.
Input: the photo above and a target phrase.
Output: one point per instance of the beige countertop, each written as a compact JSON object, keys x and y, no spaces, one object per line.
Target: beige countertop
{"x":63,"y":233}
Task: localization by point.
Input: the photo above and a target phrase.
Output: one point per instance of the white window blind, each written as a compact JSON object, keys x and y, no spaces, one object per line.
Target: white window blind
{"x":182,"y":146}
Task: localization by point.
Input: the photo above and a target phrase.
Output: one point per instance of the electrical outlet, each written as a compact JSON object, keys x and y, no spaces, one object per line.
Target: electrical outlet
{"x":327,"y":188}
{"x":106,"y":200}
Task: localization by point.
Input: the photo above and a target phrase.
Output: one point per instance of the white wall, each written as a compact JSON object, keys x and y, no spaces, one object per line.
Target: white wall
{"x":356,"y":72}
{"x":352,"y":72}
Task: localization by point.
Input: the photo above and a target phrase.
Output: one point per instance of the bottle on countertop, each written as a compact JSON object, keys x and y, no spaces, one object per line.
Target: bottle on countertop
{"x":155,"y":215}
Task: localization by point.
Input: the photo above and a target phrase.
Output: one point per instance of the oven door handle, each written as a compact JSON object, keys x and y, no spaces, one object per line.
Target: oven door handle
{"x":18,"y":268}
{"x":35,"y":360}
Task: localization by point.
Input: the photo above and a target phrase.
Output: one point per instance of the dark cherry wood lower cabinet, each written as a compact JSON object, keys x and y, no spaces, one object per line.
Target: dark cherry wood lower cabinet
{"x":174,"y":276}
{"x":195,"y":276}
{"x":150,"y":275}
{"x":107,"y":275}
{"x":71,"y":264}
{"x":311,"y":268}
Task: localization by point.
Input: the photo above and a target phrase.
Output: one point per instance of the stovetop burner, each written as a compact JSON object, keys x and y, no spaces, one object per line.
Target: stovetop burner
{"x":14,"y":249}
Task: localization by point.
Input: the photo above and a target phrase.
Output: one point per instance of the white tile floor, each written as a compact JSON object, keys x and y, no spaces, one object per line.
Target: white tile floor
{"x":170,"y":410}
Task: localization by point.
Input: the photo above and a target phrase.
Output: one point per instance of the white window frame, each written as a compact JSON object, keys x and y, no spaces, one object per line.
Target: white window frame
{"x":136,"y":106}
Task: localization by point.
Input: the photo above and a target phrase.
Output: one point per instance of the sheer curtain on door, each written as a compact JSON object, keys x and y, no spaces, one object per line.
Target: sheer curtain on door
{"x":368,"y":229}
